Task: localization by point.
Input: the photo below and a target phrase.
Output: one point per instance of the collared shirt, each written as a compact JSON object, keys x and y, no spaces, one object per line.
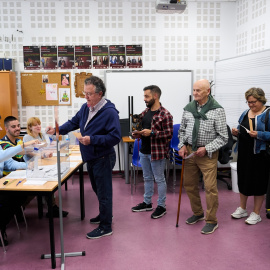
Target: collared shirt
{"x":212,"y":133}
{"x":93,"y":110}
{"x":162,"y":126}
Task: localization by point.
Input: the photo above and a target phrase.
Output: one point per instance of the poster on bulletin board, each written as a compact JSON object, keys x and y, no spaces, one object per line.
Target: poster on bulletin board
{"x":46,"y":89}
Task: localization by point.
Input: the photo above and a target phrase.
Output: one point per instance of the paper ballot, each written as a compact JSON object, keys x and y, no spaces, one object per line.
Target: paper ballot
{"x":78,"y":135}
{"x":245,"y":129}
{"x":190,"y":155}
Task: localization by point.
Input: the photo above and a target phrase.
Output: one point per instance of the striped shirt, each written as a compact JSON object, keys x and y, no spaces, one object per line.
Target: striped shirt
{"x":93,"y":110}
{"x":212,"y":133}
{"x":162,"y":126}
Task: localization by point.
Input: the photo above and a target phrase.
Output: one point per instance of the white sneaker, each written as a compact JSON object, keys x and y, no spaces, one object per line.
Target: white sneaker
{"x":253,"y":219}
{"x":239,"y":213}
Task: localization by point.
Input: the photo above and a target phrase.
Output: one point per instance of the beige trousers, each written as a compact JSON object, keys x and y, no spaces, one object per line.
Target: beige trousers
{"x":192,"y":169}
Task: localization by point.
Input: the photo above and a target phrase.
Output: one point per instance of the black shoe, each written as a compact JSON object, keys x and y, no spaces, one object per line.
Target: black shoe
{"x":56,"y":212}
{"x":159,"y":212}
{"x":95,"y":220}
{"x":98,"y":232}
{"x":194,"y":219}
{"x":209,"y":228}
{"x":4,"y":236}
{"x":141,"y":207}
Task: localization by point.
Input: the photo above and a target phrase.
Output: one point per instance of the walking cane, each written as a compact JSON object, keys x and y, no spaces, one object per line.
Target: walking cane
{"x":180,"y":191}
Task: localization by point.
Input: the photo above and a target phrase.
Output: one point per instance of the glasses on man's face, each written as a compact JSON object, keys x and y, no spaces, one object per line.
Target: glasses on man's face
{"x":251,"y":102}
{"x":88,"y":94}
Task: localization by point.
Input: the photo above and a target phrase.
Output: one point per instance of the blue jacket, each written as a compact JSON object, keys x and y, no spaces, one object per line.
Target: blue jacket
{"x":6,"y":161}
{"x":263,"y":136}
{"x":104,"y":130}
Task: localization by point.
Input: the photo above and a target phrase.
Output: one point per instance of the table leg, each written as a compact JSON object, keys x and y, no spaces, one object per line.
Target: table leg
{"x":82,"y":192}
{"x":51,"y":227}
{"x":40,"y":206}
{"x":126,"y":162}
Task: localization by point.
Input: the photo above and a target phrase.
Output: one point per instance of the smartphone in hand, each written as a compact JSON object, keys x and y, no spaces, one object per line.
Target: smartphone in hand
{"x":135,"y":134}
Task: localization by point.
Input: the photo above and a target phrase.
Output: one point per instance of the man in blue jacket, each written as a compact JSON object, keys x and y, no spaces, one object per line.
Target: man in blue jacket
{"x":99,"y":125}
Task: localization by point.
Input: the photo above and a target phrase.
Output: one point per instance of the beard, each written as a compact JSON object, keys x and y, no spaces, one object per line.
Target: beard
{"x":150,"y":103}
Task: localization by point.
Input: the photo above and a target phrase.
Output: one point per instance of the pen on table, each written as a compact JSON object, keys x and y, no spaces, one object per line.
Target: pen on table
{"x":5,"y":182}
{"x":18,"y":183}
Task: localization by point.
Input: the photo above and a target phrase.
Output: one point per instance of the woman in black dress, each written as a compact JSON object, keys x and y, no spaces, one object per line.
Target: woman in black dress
{"x":252,"y":162}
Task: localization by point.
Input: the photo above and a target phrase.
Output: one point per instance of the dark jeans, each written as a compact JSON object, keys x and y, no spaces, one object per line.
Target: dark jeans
{"x":100,"y":173}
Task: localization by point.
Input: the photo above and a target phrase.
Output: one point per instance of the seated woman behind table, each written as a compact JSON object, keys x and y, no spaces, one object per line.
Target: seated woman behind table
{"x":10,"y":203}
{"x":34,"y":132}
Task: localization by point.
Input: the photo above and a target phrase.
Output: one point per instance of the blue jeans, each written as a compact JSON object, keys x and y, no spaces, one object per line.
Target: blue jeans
{"x":100,"y":173}
{"x":153,"y":170}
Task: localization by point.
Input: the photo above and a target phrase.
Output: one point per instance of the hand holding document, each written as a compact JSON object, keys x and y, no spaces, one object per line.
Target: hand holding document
{"x":78,"y":135}
{"x":190,"y":155}
{"x":245,"y":129}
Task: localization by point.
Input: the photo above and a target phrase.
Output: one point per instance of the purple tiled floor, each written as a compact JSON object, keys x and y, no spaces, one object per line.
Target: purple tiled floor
{"x":139,"y":242}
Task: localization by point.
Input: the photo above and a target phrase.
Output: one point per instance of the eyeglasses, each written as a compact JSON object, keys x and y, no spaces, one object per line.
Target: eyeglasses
{"x":251,"y":102}
{"x":88,"y":94}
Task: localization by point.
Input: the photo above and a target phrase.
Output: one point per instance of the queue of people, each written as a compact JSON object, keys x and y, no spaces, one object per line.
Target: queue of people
{"x":203,"y":131}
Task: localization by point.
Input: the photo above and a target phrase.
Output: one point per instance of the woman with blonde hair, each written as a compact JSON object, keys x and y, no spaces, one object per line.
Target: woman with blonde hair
{"x":34,"y":132}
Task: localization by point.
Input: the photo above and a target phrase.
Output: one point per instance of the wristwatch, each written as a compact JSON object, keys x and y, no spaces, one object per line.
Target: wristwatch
{"x":152,"y":133}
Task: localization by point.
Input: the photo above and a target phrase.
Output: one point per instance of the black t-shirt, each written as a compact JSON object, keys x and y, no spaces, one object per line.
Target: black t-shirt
{"x":146,"y":124}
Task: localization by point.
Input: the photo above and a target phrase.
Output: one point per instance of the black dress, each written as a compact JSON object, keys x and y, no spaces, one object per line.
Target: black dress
{"x":252,"y":169}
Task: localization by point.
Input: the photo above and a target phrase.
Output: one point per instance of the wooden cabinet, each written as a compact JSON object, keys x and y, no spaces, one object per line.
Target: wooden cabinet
{"x":8,"y":97}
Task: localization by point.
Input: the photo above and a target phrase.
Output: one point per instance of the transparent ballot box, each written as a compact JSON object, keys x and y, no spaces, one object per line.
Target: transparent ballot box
{"x":42,"y":161}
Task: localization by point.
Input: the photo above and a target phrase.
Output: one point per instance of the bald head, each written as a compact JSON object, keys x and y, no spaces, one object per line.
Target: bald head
{"x":203,"y":84}
{"x":201,"y":91}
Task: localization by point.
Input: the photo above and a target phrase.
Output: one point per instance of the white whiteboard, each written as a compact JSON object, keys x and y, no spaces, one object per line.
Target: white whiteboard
{"x":234,"y":76}
{"x":175,"y":85}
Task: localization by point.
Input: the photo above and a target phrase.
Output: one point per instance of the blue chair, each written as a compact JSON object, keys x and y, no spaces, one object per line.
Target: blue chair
{"x":174,"y":157}
{"x":135,"y":163}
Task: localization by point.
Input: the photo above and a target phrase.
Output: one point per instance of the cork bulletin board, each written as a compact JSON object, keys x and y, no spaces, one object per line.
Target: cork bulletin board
{"x":46,"y":89}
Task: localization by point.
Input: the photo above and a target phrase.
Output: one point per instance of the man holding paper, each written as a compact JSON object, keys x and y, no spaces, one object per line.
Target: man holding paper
{"x":99,"y":124}
{"x":203,"y":131}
